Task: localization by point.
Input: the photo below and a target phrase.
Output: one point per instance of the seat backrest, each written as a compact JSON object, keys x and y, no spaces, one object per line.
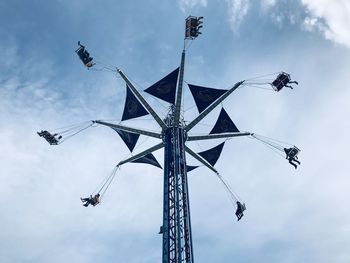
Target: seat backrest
{"x":293,"y":152}
{"x":284,"y":78}
{"x":277,"y":84}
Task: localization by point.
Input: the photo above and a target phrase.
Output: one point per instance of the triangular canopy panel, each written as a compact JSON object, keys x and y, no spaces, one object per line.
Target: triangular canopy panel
{"x":189,"y":168}
{"x":212,"y":155}
{"x":165,"y":89}
{"x":129,"y":138}
{"x":148,"y":159}
{"x":224,"y":124}
{"x":203,"y":96}
{"x":133,"y":108}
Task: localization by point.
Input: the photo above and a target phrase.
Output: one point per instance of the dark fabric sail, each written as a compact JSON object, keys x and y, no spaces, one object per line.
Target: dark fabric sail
{"x":189,"y":168}
{"x":133,"y":108}
{"x":224,"y":124}
{"x":213,"y":154}
{"x":129,"y":138}
{"x":203,"y":96}
{"x":148,"y":159}
{"x":165,"y":89}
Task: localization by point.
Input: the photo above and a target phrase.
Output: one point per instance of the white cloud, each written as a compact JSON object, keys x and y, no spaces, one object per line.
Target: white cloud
{"x":266,"y":4}
{"x":237,"y":10}
{"x":188,"y":4}
{"x":332,"y":18}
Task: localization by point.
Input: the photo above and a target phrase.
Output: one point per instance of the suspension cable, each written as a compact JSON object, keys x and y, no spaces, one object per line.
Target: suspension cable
{"x":262,"y":76}
{"x":233,"y":196}
{"x":108,"y":182}
{"x":75,"y":133}
{"x":270,"y":139}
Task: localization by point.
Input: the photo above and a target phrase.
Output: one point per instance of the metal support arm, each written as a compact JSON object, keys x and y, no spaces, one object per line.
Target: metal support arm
{"x":129,"y":129}
{"x":142,"y":100}
{"x":139,"y":155}
{"x":218,"y":136}
{"x":179,"y":90}
{"x":201,"y":159}
{"x":212,"y":106}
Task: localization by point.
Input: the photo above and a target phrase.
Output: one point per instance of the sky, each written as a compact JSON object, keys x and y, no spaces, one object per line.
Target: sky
{"x":292,"y":215}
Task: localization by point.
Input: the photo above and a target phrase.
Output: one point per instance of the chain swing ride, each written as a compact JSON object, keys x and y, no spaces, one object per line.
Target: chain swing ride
{"x":174,"y":135}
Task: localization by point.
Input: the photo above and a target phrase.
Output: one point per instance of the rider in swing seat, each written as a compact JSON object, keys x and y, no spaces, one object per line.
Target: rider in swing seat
{"x":283,"y":80}
{"x":291,"y":156}
{"x":92,"y":200}
{"x":84,"y":55}
{"x":50,"y":138}
{"x":240,"y":210}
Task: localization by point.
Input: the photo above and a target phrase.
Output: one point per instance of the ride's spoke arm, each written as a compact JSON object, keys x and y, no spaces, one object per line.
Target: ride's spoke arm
{"x":139,"y":155}
{"x":212,"y":106}
{"x":201,"y":159}
{"x":218,"y":136}
{"x":129,"y":129}
{"x":179,"y":90}
{"x":142,"y":100}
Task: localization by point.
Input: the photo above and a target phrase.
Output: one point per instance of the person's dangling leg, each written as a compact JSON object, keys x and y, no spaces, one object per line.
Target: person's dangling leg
{"x":291,"y":162}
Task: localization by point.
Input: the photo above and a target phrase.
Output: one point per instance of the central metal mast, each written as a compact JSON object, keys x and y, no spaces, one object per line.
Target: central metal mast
{"x":177,"y":236}
{"x":176,"y":229}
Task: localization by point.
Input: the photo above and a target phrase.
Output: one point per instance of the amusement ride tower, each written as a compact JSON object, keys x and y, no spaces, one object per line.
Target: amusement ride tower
{"x":173,"y":135}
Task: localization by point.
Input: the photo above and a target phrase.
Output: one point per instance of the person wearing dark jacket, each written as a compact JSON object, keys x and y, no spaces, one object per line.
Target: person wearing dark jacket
{"x":291,"y":156}
{"x":240,"y":209}
{"x":92,"y":200}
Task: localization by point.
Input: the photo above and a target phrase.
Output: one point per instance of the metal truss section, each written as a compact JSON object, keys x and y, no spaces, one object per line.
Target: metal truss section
{"x":177,"y":234}
{"x":142,"y":100}
{"x":218,"y":136}
{"x":212,"y":106}
{"x":130,"y":129}
{"x":137,"y":156}
{"x":179,"y":90}
{"x":201,"y":159}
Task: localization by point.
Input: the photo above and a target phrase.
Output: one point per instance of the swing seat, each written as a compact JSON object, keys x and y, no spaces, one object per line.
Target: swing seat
{"x":51,"y":139}
{"x":240,"y":208}
{"x":92,"y":200}
{"x":293,"y":152}
{"x":95,"y":200}
{"x":281,"y":81}
{"x":84,"y":56}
